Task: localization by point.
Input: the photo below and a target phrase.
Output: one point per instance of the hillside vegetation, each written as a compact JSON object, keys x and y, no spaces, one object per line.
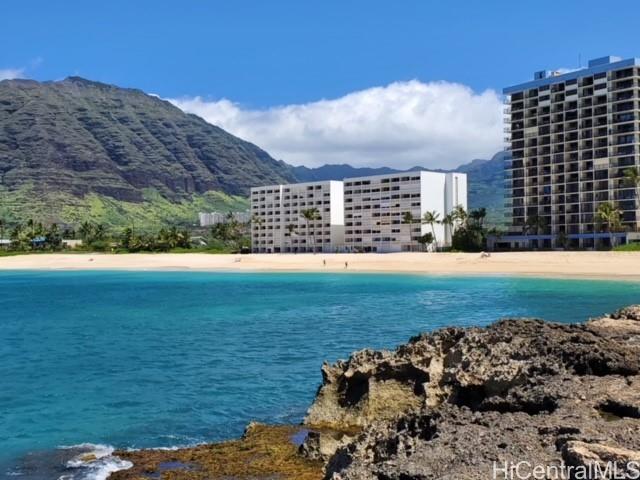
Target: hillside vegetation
{"x":77,"y":149}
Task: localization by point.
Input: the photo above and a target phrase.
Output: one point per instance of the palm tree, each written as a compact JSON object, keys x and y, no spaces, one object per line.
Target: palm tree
{"x":99,"y":232}
{"x":609,"y":214}
{"x":448,"y":221}
{"x":431,"y":218}
{"x":257,"y":220}
{"x":126,"y":239}
{"x":407,"y":219}
{"x":478,"y":216}
{"x":2,"y":226}
{"x":534,"y":224}
{"x":459,"y":215}
{"x":426,"y":239}
{"x":632,"y":179}
{"x":311,"y":215}
{"x":291,"y":228}
{"x":86,"y":232}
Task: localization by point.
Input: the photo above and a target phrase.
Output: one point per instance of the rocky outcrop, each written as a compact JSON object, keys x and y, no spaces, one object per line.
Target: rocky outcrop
{"x":457,"y":404}
{"x":467,"y":403}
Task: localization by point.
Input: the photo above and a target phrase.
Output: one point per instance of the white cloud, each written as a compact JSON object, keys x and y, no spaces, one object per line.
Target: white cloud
{"x":435,"y":125}
{"x":9,"y":73}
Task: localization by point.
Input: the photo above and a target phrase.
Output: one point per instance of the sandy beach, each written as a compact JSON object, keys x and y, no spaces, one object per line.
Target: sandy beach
{"x":601,"y":265}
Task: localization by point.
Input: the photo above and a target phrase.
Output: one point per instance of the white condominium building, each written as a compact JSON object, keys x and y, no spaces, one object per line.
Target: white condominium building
{"x":376,"y":209}
{"x":208,"y":219}
{"x":278,"y":224}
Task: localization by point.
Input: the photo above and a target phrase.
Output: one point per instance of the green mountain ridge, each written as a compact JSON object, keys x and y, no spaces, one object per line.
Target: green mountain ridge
{"x":71,"y":141}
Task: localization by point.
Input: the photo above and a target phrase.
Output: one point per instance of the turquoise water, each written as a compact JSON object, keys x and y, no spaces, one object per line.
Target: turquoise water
{"x":149,"y":359}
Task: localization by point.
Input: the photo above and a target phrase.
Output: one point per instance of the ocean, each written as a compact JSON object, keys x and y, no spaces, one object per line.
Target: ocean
{"x":96,"y":360}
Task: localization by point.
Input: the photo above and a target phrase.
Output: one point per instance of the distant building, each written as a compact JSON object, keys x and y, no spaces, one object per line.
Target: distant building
{"x":71,"y":243}
{"x":278,"y":225}
{"x":208,"y":219}
{"x":571,"y":136}
{"x":375,"y":208}
{"x":365,"y":214}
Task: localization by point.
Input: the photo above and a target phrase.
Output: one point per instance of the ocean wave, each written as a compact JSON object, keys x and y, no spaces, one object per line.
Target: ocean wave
{"x":93,"y":462}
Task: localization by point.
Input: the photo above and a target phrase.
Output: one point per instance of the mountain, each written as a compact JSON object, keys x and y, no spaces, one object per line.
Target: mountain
{"x":68,"y":142}
{"x":485,"y":177}
{"x":337,"y":172}
{"x":486,"y":186}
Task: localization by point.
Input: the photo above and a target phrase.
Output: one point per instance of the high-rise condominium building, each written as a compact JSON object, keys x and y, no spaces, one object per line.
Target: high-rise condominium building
{"x":278,"y":224}
{"x":376,"y":209}
{"x":572,"y":136}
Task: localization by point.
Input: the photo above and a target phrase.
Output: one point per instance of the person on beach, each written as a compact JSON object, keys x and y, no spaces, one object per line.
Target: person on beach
{"x":324,"y":263}
{"x":346,"y":264}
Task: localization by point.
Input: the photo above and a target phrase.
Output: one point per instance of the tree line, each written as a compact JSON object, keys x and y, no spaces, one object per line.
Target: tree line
{"x":466,"y":229}
{"x":37,"y":236}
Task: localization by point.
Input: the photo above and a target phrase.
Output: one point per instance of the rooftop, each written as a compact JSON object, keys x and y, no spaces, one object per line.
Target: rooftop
{"x":597,"y":65}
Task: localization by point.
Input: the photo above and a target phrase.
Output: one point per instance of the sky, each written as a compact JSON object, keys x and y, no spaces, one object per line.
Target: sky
{"x":370,"y":83}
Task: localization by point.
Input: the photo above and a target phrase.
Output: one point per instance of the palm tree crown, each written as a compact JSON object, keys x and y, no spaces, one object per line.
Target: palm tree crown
{"x":311,"y":215}
{"x":431,"y":218}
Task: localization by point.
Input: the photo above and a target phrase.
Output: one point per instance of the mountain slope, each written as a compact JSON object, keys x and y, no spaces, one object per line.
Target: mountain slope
{"x":79,"y":137}
{"x":486,"y":186}
{"x":337,"y":172}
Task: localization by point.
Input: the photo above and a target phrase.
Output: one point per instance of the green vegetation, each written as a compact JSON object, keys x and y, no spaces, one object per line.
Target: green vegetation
{"x":534,"y":225}
{"x":153,"y":213}
{"x":34,"y":237}
{"x":610,"y":217}
{"x":264,"y":451}
{"x":629,"y":247}
{"x":632,"y":179}
{"x":77,"y":150}
{"x":470,"y":230}
{"x":486,"y":187}
{"x":431,"y":218}
{"x":311,"y":215}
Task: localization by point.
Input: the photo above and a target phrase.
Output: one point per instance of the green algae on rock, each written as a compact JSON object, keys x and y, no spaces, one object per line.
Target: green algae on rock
{"x":263,"y":452}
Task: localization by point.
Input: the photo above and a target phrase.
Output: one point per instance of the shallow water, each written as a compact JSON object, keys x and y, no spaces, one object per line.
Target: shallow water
{"x":161,"y":359}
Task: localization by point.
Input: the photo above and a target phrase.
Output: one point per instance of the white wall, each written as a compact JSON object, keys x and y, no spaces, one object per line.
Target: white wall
{"x":455,"y":195}
{"x":456,"y":191}
{"x":336,"y":190}
{"x":432,"y":197}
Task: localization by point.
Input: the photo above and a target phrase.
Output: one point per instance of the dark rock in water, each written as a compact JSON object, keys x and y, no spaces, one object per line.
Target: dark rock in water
{"x":467,"y":403}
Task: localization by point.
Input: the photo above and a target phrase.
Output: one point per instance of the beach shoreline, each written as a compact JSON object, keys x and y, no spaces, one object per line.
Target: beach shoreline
{"x":578,"y":265}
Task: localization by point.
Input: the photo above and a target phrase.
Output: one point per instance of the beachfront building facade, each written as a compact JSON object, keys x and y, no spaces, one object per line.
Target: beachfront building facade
{"x":384,"y":213}
{"x":208,"y":219}
{"x":571,"y":137}
{"x":278,"y":224}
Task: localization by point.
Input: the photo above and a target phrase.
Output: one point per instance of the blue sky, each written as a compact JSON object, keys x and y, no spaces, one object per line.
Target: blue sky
{"x":263,"y":54}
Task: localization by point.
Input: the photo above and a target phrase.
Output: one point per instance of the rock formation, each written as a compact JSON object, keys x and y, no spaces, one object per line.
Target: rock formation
{"x":457,"y":404}
{"x":470,"y":403}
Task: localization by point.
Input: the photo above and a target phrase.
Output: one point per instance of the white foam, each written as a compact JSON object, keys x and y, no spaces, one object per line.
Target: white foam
{"x":95,"y":462}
